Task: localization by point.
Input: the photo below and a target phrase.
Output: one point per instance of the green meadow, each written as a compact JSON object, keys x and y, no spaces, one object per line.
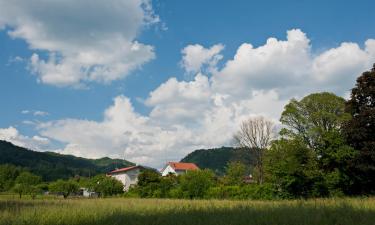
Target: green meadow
{"x":342,"y":211}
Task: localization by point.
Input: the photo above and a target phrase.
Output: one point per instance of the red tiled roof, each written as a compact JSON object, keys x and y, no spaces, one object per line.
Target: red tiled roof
{"x":183,"y":166}
{"x":123,"y":169}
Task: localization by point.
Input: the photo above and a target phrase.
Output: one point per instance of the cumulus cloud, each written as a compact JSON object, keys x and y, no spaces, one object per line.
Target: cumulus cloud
{"x":206,"y":111}
{"x":84,"y":41}
{"x":196,"y":57}
{"x":36,"y":142}
{"x":291,"y":67}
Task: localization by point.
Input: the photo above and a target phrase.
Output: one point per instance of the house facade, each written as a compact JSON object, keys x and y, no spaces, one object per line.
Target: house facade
{"x":127,"y":176}
{"x":178,"y":168}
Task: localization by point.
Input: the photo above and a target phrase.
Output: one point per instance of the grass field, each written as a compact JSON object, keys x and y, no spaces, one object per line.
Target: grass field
{"x":159,"y":211}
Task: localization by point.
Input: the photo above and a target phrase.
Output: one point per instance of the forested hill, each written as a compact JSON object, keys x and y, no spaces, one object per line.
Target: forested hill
{"x":218,"y":158}
{"x":52,"y":166}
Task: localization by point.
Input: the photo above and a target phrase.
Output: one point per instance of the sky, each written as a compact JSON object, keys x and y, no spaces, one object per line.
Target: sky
{"x":151,"y":81}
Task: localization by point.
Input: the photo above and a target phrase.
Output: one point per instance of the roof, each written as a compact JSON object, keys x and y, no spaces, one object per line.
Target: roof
{"x":183,"y":166}
{"x":124,"y":169}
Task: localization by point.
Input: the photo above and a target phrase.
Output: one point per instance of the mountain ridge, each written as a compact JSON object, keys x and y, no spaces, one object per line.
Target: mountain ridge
{"x":217,"y":159}
{"x":53,"y":166}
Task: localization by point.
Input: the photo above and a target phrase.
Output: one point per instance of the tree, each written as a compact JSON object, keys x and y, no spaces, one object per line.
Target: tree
{"x":64,"y":187}
{"x":148,"y":183}
{"x":314,"y":116}
{"x":256,"y":134}
{"x":195,"y":183}
{"x":291,"y":166}
{"x":360,"y":131}
{"x":317,"y":121}
{"x":148,"y":176}
{"x":26,"y":183}
{"x":8,"y":175}
{"x":106,"y":186}
{"x":235,"y":173}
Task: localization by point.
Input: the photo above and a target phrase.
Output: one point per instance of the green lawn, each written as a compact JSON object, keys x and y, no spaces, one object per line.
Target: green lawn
{"x":163,"y":211}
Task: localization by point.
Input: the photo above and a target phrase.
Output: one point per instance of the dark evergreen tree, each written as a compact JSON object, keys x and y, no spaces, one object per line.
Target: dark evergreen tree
{"x":360,"y":132}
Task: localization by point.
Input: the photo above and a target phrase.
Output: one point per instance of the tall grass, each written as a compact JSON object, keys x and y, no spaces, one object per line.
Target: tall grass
{"x":189,"y":212}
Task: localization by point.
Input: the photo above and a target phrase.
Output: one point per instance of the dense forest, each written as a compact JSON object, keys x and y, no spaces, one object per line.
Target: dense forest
{"x":52,"y":166}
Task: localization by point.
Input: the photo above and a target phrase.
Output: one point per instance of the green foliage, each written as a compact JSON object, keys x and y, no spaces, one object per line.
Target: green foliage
{"x":313,"y":116}
{"x":64,"y":187}
{"x":52,"y":166}
{"x":106,"y":186}
{"x":195,"y":183}
{"x":292,"y":168}
{"x":217,"y":159}
{"x":151,"y":184}
{"x":253,"y":191}
{"x":8,"y":174}
{"x":235,"y":173}
{"x":313,"y":158}
{"x":26,"y":183}
{"x":360,"y":132}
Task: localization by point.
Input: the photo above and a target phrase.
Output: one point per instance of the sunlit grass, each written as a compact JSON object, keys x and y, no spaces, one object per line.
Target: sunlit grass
{"x":165,"y":211}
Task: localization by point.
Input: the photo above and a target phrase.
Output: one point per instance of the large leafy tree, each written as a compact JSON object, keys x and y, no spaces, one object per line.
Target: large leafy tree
{"x":360,"y":131}
{"x":313,"y":117}
{"x":317,"y":121}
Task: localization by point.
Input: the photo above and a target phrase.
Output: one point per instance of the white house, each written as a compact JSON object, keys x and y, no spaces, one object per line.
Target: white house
{"x":178,"y":168}
{"x":128,"y":176}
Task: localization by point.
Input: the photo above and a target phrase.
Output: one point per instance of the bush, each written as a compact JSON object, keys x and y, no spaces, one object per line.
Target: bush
{"x":106,"y":186}
{"x":253,"y":191}
{"x":64,"y":187}
{"x":195,"y":183}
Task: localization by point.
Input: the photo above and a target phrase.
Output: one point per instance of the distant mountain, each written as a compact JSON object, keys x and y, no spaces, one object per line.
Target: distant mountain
{"x":218,"y":158}
{"x":52,"y":166}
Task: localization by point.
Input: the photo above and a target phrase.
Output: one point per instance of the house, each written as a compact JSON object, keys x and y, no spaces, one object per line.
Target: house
{"x":128,"y":176}
{"x":178,"y":168}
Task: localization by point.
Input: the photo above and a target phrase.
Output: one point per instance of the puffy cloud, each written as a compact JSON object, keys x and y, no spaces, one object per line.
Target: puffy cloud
{"x":36,"y":142}
{"x":182,"y":102}
{"x":275,"y":64}
{"x":189,"y":121}
{"x":84,"y":40}
{"x":195,"y":57}
{"x":292,"y":68}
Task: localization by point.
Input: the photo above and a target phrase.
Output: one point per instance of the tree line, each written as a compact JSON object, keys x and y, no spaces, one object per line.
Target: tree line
{"x":22,"y":182}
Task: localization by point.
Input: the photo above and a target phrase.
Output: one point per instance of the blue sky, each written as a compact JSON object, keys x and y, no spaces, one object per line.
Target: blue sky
{"x":183,"y":104}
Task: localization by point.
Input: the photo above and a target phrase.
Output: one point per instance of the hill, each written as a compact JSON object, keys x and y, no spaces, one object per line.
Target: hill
{"x":53,"y":166}
{"x":218,"y":158}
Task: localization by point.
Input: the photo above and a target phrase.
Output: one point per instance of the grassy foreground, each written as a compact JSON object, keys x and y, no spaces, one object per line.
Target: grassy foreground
{"x":159,"y":211}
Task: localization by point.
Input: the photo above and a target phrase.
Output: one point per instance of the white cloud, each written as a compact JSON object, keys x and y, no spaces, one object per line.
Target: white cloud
{"x":35,"y":112}
{"x":207,"y":111}
{"x":292,"y":68}
{"x":195,"y":57}
{"x":36,"y":142}
{"x":84,"y":40}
